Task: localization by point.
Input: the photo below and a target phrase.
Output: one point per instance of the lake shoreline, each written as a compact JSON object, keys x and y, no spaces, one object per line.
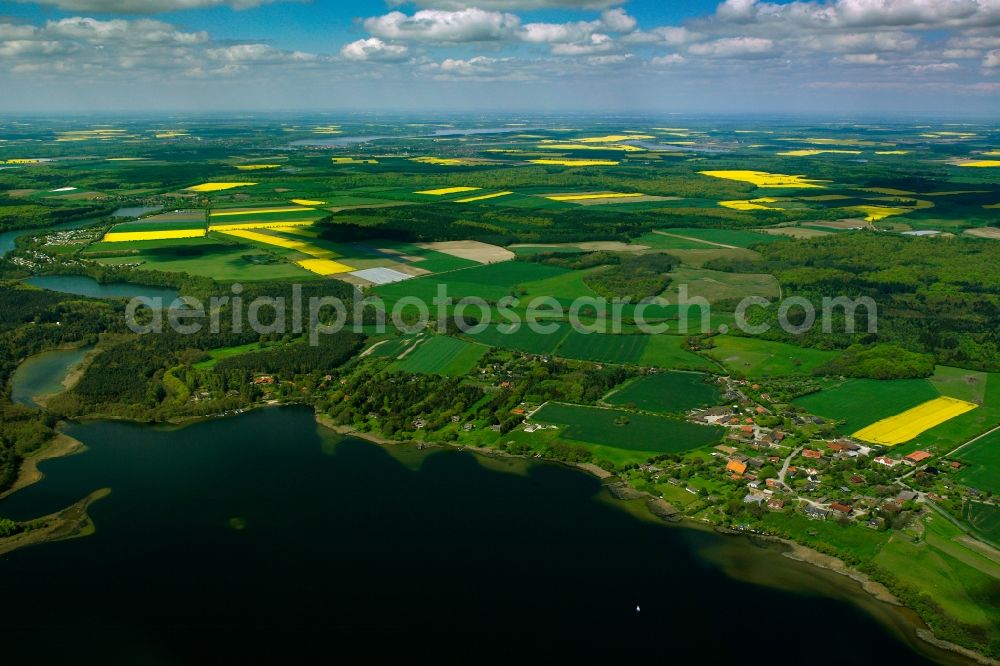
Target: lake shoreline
{"x":69,"y":523}
{"x":64,"y":445}
{"x":794,"y":550}
{"x":59,"y":446}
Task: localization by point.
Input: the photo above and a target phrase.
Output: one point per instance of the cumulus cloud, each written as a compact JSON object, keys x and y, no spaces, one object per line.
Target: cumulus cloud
{"x":933,"y":67}
{"x":863,"y":14}
{"x":598,"y":43}
{"x":83,"y":45}
{"x":374,"y":49}
{"x":733,"y":47}
{"x":432,"y":25}
{"x":509,"y":5}
{"x":992,"y":60}
{"x":146,"y":6}
{"x":667,"y":60}
{"x":860,"y":59}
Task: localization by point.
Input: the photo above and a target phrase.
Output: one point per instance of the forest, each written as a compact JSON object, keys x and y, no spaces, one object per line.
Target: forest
{"x":938,"y":296}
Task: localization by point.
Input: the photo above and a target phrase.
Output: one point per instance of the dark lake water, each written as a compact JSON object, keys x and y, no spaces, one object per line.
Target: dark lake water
{"x":135,"y":211}
{"x":82,"y":285}
{"x":265,"y":536}
{"x":43,"y":374}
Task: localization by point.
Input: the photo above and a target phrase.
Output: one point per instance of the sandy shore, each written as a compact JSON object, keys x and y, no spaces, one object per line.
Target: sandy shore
{"x":801,"y":553}
{"x":61,"y":445}
{"x":70,"y":523}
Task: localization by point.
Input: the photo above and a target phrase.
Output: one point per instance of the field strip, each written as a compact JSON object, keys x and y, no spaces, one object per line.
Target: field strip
{"x":167,"y":234}
{"x":323,"y":260}
{"x":912,"y":422}
{"x":372,"y":348}
{"x":971,"y":441}
{"x":980,"y":547}
{"x":696,"y":240}
{"x":483,"y":197}
{"x":965,"y":555}
{"x":261,"y":211}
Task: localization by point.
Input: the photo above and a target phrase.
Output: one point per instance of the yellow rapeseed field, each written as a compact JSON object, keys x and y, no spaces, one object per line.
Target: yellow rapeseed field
{"x":17,"y":160}
{"x":324,"y":266}
{"x":444,"y":161}
{"x":351,"y":160}
{"x":576,"y":163}
{"x":217,"y":187}
{"x":751,"y":204}
{"x":906,"y":425}
{"x":258,"y":211}
{"x":604,"y":195}
{"x":273,"y":224}
{"x":892,"y":152}
{"x":308,"y":202}
{"x":256,"y":167}
{"x":981,"y":163}
{"x":166,"y":234}
{"x":876,"y":213}
{"x":763,"y":178}
{"x":615,"y":138}
{"x":586,"y":146}
{"x":482,"y":197}
{"x":322,"y":262}
{"x":809,"y":152}
{"x":448,"y":190}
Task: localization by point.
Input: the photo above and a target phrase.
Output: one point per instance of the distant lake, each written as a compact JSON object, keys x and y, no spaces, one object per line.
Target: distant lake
{"x":8,"y":238}
{"x":135,"y":211}
{"x":43,"y":374}
{"x":340,"y":141}
{"x":265,"y":533}
{"x":81,"y":285}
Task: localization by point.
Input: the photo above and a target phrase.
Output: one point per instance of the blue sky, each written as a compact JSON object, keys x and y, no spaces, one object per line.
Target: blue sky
{"x":902,"y":57}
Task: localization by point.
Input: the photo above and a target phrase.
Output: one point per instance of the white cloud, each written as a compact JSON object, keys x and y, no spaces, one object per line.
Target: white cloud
{"x":605,"y":60}
{"x":374,"y":49}
{"x":862,"y":14}
{"x":509,"y":5}
{"x":435,"y":26}
{"x":617,"y":20}
{"x":243,"y":54}
{"x":934,"y":67}
{"x":860,"y":59}
{"x":669,"y":35}
{"x":733,"y":47}
{"x":668,"y":60}
{"x":146,"y":6}
{"x":992,"y":60}
{"x":598,"y":43}
{"x":961,"y":54}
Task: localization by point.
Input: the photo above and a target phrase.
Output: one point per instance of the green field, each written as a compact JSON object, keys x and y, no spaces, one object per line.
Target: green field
{"x":861,"y":402}
{"x":668,"y":352}
{"x":490,"y":282}
{"x":982,"y":463}
{"x":984,"y":519}
{"x":523,"y":338}
{"x":220,"y":261}
{"x":715,"y":286}
{"x":442,"y":355}
{"x":754,"y":357}
{"x":607,"y":348}
{"x":216,"y":355}
{"x":734,"y":237}
{"x":626,"y":430}
{"x":671,"y":392}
